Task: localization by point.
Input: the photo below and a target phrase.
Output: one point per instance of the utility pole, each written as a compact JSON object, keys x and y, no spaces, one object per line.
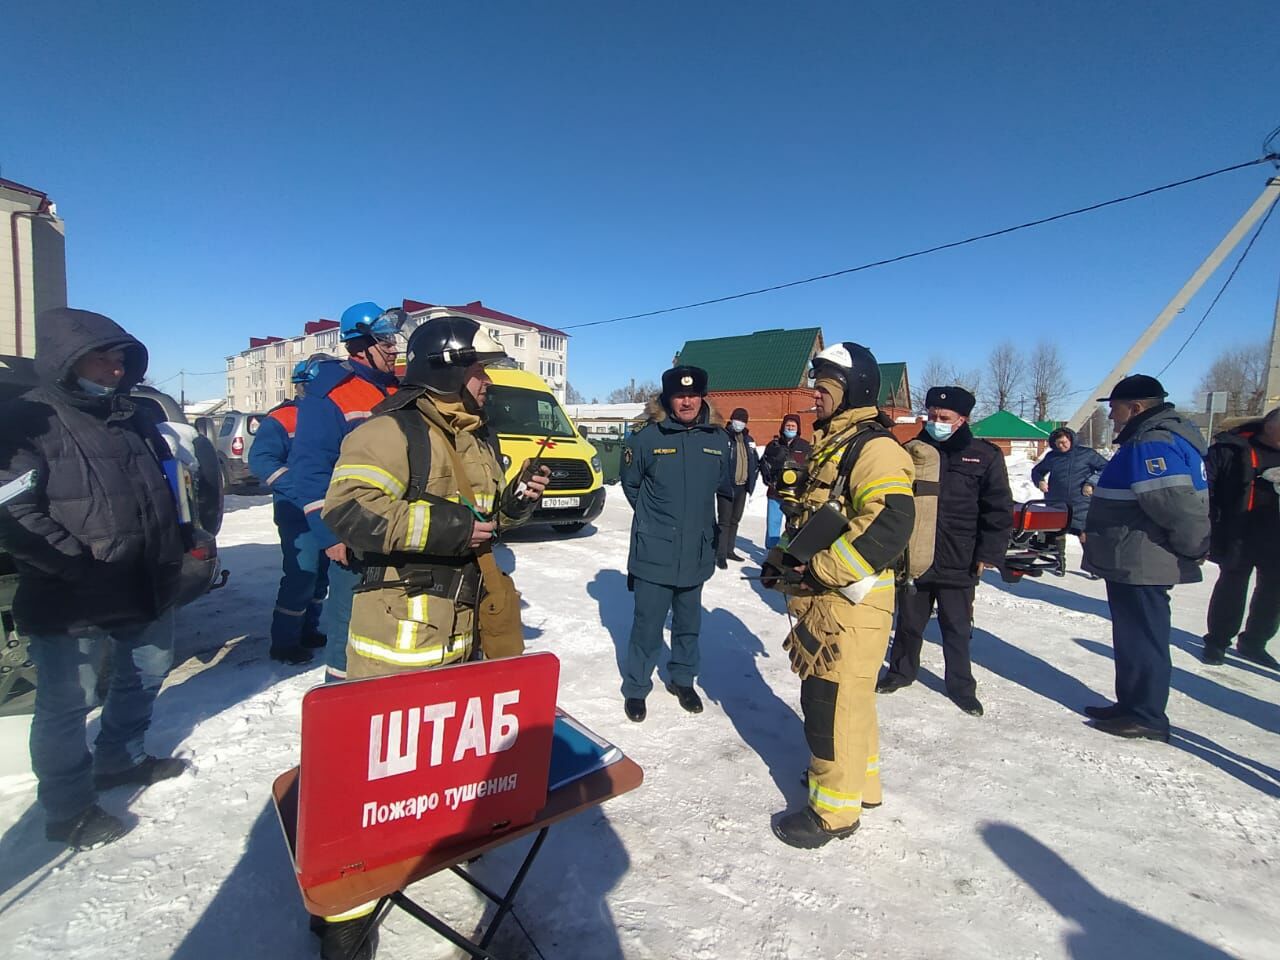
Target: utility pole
{"x":182,"y":389}
{"x":1269,"y":195}
{"x":1272,"y":398}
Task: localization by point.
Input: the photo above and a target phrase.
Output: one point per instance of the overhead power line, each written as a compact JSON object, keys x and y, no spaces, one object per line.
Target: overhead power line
{"x":1270,"y":157}
{"x":1223,"y":289}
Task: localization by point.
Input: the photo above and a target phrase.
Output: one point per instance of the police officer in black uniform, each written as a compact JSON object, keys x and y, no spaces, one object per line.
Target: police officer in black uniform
{"x":671,"y":469}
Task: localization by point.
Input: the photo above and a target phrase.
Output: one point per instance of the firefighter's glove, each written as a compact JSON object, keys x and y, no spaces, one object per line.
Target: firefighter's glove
{"x":812,"y":654}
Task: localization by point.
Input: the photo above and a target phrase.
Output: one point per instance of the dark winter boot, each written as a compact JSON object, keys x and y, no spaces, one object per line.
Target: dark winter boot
{"x":150,"y":770}
{"x":634,"y":709}
{"x":1105,"y":713}
{"x":345,"y":940}
{"x":314,"y":641}
{"x":687,"y":696}
{"x":969,"y":704}
{"x":93,"y":828}
{"x":803,"y":829}
{"x":1256,"y":652}
{"x":892,"y":681}
{"x":1214,"y":653}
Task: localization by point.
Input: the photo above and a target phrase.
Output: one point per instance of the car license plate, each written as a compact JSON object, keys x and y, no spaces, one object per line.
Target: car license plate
{"x":554,"y":502}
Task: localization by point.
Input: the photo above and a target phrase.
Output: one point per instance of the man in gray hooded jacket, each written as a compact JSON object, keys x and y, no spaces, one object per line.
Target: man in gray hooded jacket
{"x":93,"y":531}
{"x":1148,"y":529}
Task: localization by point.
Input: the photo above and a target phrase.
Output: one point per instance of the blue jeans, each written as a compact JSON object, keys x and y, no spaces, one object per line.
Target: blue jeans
{"x":1140,"y":627}
{"x":653,"y":600}
{"x":67,"y":667}
{"x":336,"y":620}
{"x":773,"y":524}
{"x":303,"y":584}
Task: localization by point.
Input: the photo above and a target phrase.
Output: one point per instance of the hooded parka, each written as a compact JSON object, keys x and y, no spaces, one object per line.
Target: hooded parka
{"x":396,"y":627}
{"x":96,"y":541}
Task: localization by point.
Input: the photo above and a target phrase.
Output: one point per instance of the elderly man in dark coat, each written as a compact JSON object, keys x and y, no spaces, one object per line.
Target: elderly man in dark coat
{"x":671,"y":469}
{"x":94,"y":534}
{"x":975,"y":520}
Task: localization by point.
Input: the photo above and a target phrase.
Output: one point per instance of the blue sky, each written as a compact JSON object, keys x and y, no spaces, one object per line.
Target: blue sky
{"x":236,"y":169}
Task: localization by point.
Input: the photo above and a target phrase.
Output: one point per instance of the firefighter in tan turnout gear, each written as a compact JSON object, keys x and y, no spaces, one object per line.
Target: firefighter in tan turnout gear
{"x":851,"y":518}
{"x":419,"y":493}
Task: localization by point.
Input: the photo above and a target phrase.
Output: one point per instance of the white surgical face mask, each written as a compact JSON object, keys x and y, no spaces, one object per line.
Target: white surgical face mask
{"x":939,"y":430}
{"x":94,"y":389}
{"x":738,"y":426}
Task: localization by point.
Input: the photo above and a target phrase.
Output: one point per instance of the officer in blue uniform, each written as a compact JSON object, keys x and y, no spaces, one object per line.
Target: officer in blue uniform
{"x":671,"y":469}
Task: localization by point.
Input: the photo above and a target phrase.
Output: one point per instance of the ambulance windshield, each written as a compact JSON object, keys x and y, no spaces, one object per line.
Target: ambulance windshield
{"x":528,"y":413}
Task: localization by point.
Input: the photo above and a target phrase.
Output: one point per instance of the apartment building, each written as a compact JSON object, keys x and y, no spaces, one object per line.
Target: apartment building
{"x":33,"y":265}
{"x":258,"y":378}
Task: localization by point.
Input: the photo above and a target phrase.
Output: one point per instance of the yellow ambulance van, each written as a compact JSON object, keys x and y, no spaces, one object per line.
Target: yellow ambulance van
{"x":528,"y":420}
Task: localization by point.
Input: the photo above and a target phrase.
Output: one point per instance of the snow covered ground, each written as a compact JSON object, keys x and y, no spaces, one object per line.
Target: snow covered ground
{"x":1017,"y":835}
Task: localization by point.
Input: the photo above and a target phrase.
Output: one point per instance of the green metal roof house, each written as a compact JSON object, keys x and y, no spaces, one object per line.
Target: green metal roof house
{"x":1012,"y":434}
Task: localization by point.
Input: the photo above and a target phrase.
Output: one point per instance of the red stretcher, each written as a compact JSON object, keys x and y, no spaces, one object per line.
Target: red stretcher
{"x":1039,"y":541}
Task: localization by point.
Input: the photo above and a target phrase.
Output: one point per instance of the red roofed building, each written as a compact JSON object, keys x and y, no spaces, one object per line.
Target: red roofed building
{"x":258,"y":378}
{"x":534,"y":347}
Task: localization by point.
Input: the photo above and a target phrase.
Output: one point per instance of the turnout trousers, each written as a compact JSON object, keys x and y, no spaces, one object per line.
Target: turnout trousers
{"x":1226,"y":608}
{"x":303,"y":583}
{"x":839,"y":708}
{"x":653,"y":601}
{"x":1140,"y":626}
{"x":955,"y":618}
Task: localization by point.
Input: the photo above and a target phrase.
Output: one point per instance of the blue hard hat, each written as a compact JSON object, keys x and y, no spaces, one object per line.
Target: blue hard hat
{"x":302,"y":372}
{"x":367,"y":319}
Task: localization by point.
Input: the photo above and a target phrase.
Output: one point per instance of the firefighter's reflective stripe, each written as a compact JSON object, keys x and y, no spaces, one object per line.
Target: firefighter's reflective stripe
{"x":873,"y":764}
{"x":484,"y":501}
{"x":419,"y":524}
{"x":355,"y":913}
{"x":823,"y":799}
{"x":884,"y":487}
{"x":851,"y":558}
{"x":407,"y":631}
{"x":374,"y":476}
{"x":455,"y":648}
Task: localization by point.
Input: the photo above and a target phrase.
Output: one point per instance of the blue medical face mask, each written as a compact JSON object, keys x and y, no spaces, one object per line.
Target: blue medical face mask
{"x":939,"y":430}
{"x":789,"y":432}
{"x":738,"y":426}
{"x":94,"y":389}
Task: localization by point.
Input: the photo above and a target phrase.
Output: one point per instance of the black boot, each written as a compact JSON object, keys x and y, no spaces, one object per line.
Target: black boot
{"x":345,"y":940}
{"x":634,"y":709}
{"x":1256,"y":653}
{"x":1213,"y":653}
{"x":150,"y":770}
{"x":969,"y":704}
{"x":93,"y":828}
{"x":803,"y":829}
{"x":1105,"y":713}
{"x":294,"y":656}
{"x":687,"y":696}
{"x":892,"y":681}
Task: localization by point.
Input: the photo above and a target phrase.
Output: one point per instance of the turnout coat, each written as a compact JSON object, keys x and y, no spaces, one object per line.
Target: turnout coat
{"x":670,"y":474}
{"x":394,"y":627}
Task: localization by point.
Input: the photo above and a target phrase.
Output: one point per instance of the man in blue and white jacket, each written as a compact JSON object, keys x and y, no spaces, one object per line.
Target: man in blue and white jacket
{"x":1148,"y":529}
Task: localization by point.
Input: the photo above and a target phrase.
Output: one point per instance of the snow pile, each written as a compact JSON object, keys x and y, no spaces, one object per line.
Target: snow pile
{"x":1020,"y":834}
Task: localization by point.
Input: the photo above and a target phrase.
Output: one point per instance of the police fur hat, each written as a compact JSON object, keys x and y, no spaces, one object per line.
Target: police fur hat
{"x":957,"y":399}
{"x":689,"y":380}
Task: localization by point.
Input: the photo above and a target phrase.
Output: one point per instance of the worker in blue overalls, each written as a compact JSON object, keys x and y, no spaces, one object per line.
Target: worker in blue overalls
{"x":295,"y":629}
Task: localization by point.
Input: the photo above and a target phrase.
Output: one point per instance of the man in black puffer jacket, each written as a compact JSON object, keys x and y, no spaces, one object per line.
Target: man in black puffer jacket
{"x":1243,"y":468}
{"x":94,"y":533}
{"x":975,"y":520}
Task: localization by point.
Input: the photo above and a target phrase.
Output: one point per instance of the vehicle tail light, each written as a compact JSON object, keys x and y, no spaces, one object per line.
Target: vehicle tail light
{"x":200,"y":553}
{"x":237,"y":446}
